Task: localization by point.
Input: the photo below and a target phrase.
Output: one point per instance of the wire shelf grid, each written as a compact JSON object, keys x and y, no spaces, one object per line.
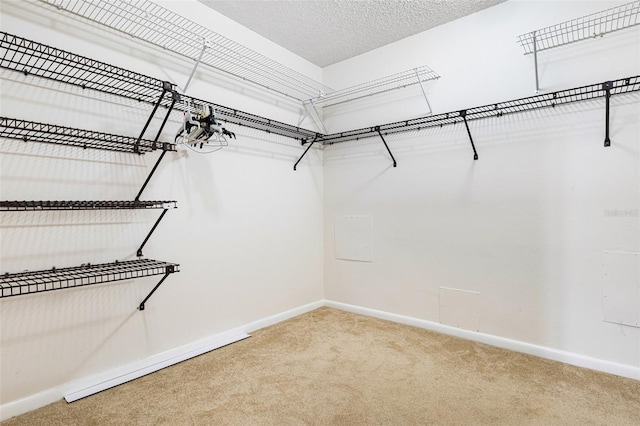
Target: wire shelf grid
{"x":161,"y":27}
{"x":8,"y":206}
{"x":56,"y":279}
{"x":30,"y":57}
{"x":395,"y":81}
{"x":547,"y":100}
{"x":31,"y":131}
{"x":589,"y":26}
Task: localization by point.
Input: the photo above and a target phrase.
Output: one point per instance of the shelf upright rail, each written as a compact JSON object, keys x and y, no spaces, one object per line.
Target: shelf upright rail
{"x":590,"y":26}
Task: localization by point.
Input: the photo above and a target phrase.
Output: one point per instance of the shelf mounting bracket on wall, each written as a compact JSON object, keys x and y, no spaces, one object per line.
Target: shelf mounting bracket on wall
{"x":424,"y":93}
{"x":175,"y":97}
{"x":166,"y":87}
{"x":312,"y":111}
{"x":607,"y":86}
{"x":169,"y":270}
{"x":305,"y":152}
{"x":153,"y":228}
{"x":386,"y":146}
{"x":463,"y":114}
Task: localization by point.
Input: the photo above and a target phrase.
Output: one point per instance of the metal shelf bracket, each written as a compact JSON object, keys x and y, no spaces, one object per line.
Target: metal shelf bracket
{"x":305,"y":152}
{"x":170,"y":269}
{"x":139,"y":251}
{"x":166,"y":87}
{"x":463,"y":114}
{"x":607,"y":86}
{"x":377,"y":128}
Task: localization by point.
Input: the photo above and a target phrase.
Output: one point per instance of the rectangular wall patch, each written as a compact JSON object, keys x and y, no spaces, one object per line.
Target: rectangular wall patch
{"x":621,"y":289}
{"x":353,"y":238}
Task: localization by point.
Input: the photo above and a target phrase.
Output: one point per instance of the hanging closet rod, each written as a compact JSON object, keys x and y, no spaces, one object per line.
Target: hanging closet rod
{"x":154,"y":24}
{"x":589,"y":26}
{"x":624,"y":85}
{"x":33,"y":58}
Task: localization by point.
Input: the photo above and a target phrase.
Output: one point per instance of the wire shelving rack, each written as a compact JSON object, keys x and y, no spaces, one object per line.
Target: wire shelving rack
{"x":34,"y":58}
{"x":590,"y":26}
{"x":391,"y":82}
{"x":30,"y":282}
{"x":31,"y":131}
{"x":9,"y":206}
{"x":547,"y":100}
{"x":154,"y":24}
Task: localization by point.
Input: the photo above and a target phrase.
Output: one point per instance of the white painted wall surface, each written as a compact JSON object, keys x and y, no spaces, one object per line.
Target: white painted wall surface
{"x":247,"y":232}
{"x":525,"y":226}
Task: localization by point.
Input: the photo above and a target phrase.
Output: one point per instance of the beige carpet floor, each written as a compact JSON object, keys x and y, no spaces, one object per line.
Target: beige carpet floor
{"x":330,"y":367}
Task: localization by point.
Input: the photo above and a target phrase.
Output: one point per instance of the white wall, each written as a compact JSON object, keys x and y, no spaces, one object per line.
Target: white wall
{"x":247,"y":232}
{"x":526,"y":225}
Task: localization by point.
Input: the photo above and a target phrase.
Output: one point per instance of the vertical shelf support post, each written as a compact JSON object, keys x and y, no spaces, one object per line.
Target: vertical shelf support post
{"x":305,"y":152}
{"x":166,"y":86}
{"x":607,"y":86}
{"x":169,"y":270}
{"x":535,"y":60}
{"x":139,"y":251}
{"x":386,"y":146}
{"x":463,"y":114}
{"x":424,"y":93}
{"x":175,"y":98}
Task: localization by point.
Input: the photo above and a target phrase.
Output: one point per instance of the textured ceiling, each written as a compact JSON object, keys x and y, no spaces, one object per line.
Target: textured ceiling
{"x":329,"y":31}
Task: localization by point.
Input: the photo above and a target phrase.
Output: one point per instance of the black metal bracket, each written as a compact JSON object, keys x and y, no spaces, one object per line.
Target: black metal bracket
{"x":166,"y":87}
{"x":463,"y":114}
{"x":305,"y":152}
{"x":169,"y":270}
{"x":607,"y":86}
{"x":139,"y":252}
{"x":377,"y":128}
{"x":175,"y":98}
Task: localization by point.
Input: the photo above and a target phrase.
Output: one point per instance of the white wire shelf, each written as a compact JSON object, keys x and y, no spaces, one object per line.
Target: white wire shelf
{"x":373,"y":87}
{"x":589,"y":26}
{"x":149,"y":22}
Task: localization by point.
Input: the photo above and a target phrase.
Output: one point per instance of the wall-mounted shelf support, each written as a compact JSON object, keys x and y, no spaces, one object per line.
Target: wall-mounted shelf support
{"x":607,"y":86}
{"x":311,"y":111}
{"x":424,"y":93}
{"x":153,"y":170}
{"x":590,"y":26}
{"x":535,"y":61}
{"x":463,"y":114}
{"x":166,"y":87}
{"x":169,"y":270}
{"x":305,"y":152}
{"x":386,"y":146}
{"x":139,"y":251}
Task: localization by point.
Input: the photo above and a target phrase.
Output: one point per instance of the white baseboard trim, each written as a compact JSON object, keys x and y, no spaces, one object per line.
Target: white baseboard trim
{"x":86,"y":386}
{"x":274,"y":319}
{"x":571,"y":358}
